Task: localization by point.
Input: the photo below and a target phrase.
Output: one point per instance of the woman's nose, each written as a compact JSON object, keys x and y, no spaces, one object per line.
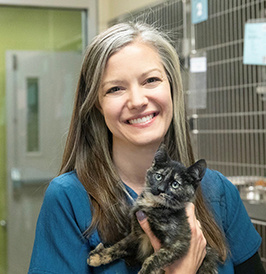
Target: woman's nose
{"x":137,"y":98}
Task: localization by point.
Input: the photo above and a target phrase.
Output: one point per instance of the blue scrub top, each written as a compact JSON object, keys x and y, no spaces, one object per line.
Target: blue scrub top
{"x":59,"y":246}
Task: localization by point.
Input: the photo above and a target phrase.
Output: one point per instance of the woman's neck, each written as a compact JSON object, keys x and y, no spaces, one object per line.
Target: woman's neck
{"x":132,"y":164}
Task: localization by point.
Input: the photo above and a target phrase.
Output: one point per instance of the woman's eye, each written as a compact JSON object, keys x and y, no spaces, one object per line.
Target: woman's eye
{"x":152,"y":80}
{"x":113,"y":90}
{"x":158,"y":177}
{"x":175,"y":184}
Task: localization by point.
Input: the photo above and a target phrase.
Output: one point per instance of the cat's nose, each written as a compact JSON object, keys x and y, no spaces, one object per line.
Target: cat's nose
{"x":161,"y":188}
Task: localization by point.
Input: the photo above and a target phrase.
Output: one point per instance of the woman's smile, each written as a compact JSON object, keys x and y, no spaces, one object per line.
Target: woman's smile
{"x":141,"y":120}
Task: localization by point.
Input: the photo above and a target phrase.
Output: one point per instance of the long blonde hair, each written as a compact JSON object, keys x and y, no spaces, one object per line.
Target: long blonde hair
{"x":88,"y":148}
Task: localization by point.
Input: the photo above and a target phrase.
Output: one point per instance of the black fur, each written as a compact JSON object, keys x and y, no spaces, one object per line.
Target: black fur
{"x":169,"y":187}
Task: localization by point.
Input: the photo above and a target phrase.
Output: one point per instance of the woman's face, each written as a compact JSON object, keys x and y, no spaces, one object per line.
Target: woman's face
{"x":135,"y":96}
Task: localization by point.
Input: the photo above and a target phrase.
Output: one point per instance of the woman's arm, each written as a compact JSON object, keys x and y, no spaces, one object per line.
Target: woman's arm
{"x":252,"y":265}
{"x":191,"y":262}
{"x":59,"y":245}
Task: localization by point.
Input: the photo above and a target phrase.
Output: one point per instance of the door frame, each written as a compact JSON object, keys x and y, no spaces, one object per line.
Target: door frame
{"x":90,"y":7}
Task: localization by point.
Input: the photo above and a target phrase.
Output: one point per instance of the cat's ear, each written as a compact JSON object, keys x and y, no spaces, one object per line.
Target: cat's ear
{"x":161,"y":155}
{"x":197,"y":171}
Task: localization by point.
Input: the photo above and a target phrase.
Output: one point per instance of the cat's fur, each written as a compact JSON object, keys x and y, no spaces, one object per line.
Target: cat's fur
{"x":169,"y":187}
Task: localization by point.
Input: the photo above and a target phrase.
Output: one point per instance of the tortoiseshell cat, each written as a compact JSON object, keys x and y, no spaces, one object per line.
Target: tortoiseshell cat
{"x":169,"y":186}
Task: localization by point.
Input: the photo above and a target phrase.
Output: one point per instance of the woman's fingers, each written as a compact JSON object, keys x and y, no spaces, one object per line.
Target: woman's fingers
{"x":198,"y":242}
{"x":143,"y":221}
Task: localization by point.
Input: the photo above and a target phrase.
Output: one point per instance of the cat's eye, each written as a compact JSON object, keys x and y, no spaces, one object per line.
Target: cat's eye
{"x":158,"y":176}
{"x":175,"y":184}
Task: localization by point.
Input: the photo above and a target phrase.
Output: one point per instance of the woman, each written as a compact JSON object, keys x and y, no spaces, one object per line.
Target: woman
{"x":129,"y":99}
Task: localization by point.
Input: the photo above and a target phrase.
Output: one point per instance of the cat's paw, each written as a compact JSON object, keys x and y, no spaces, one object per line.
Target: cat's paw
{"x":94,"y":260}
{"x":99,"y":256}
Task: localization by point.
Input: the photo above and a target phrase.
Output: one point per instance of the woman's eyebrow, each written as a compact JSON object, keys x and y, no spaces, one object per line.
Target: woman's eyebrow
{"x":112,"y":82}
{"x":151,"y":70}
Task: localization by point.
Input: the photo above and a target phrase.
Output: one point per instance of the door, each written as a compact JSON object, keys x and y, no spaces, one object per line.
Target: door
{"x":40,"y":90}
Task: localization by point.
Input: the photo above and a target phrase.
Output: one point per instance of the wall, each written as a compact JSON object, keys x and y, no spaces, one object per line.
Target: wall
{"x":110,"y":9}
{"x":29,"y":29}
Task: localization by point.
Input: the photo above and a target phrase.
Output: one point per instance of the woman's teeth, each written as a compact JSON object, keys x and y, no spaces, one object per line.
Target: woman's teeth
{"x":141,"y":120}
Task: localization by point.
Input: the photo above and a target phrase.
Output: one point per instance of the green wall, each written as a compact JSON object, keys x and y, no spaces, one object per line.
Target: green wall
{"x":29,"y":29}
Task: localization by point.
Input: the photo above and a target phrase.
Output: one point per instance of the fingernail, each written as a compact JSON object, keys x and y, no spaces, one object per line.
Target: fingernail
{"x":141,"y":215}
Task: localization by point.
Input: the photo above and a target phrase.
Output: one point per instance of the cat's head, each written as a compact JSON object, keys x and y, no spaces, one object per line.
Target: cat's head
{"x":170,"y":182}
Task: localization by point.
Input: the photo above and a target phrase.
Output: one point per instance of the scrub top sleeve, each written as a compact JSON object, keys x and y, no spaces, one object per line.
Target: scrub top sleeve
{"x":59,"y":246}
{"x":243,"y":239}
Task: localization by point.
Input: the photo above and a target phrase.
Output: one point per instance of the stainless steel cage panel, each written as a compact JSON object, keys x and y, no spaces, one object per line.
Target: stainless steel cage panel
{"x":231,"y":132}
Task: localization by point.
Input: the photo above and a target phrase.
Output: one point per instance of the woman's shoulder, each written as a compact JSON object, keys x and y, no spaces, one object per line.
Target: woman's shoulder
{"x":215,"y":186}
{"x":67,"y":188}
{"x":66,"y":195}
{"x":67,"y":179}
{"x":231,"y":215}
{"x":67,"y":183}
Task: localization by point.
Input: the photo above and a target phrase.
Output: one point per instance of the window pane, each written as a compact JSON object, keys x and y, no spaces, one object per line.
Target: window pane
{"x":32,"y":115}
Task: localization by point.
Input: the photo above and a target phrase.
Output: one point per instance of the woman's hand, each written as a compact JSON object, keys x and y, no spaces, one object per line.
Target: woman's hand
{"x":191,"y":262}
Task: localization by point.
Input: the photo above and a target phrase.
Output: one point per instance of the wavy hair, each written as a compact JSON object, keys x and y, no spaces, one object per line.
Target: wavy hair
{"x":88,"y":147}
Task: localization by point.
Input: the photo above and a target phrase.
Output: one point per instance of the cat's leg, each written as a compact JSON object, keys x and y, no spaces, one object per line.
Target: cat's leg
{"x":164,"y":257}
{"x":101,"y":255}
